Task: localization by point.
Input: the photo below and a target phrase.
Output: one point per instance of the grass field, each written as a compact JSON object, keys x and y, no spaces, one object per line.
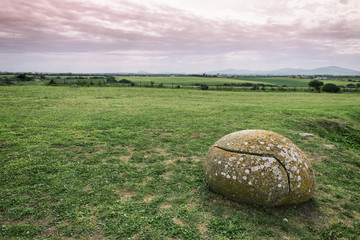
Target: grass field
{"x":289,"y":81}
{"x":173,"y":80}
{"x":219,"y":81}
{"x":126,"y":163}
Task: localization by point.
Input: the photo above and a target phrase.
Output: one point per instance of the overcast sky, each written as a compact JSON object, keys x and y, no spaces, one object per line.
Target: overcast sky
{"x":187,"y":36}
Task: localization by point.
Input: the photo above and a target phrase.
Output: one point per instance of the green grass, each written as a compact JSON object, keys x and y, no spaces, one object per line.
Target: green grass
{"x":280,"y":81}
{"x":289,"y":81}
{"x":170,"y":81}
{"x":119,"y":163}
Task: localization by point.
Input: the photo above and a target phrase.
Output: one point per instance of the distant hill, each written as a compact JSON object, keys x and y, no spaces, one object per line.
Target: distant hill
{"x":331,"y":70}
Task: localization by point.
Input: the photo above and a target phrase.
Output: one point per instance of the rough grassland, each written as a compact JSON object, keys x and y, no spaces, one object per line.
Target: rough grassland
{"x":123,"y":163}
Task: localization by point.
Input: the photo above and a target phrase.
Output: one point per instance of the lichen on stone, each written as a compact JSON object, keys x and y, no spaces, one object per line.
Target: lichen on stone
{"x":258,"y":166}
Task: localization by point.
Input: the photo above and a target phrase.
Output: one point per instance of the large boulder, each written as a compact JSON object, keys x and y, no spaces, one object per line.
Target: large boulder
{"x":260,"y":167}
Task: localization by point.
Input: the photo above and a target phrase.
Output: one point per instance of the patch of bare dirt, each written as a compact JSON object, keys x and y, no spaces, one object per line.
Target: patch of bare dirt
{"x":165,"y":206}
{"x":202,"y":229}
{"x":125,"y":194}
{"x":161,"y":152}
{"x":178,"y":222}
{"x":129,"y":149}
{"x":195,"y":159}
{"x":149,"y":198}
{"x":192,"y":205}
{"x":169,"y":161}
{"x":317,"y":159}
{"x":167,"y":175}
{"x":78,"y":148}
{"x":101,"y":150}
{"x":126,"y":158}
{"x":307,"y":135}
{"x":278,"y":230}
{"x":51,"y":231}
{"x":173,"y":160}
{"x":97,"y":235}
{"x":329,"y":146}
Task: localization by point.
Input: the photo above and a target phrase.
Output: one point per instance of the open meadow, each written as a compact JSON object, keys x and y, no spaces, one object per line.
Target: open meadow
{"x":213,"y":82}
{"x":127,"y":163}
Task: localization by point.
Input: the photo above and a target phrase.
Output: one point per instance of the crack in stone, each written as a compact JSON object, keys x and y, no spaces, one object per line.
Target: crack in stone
{"x":260,"y":155}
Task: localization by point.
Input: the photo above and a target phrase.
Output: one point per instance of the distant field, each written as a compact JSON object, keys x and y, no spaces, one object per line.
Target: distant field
{"x":173,"y":81}
{"x":291,"y":82}
{"x":126,"y":163}
{"x":182,"y":80}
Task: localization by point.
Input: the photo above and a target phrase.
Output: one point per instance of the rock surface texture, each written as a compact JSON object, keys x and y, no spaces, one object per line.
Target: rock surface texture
{"x":258,"y":166}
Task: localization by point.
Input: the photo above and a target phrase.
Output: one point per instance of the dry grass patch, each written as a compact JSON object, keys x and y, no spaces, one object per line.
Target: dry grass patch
{"x":167,"y":175}
{"x":169,"y":161}
{"x":145,"y":181}
{"x":315,"y":157}
{"x":161,"y":152}
{"x":178,"y":221}
{"x":87,"y":187}
{"x":202,"y":229}
{"x":97,"y":235}
{"x":149,"y":198}
{"x":101,"y":150}
{"x":165,"y":206}
{"x":196,"y":159}
{"x":78,"y":148}
{"x":125,"y":194}
{"x":278,"y":230}
{"x":173,"y":160}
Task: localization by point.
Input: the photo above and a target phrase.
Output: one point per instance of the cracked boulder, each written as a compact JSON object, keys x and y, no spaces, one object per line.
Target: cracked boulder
{"x":259,"y":167}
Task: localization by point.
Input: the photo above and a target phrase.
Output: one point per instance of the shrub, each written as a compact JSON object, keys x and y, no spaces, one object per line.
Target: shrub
{"x":110,"y":80}
{"x":316,"y":84}
{"x":23,"y":77}
{"x":330,"y":87}
{"x":52,"y":82}
{"x":204,"y":87}
{"x":125,"y":81}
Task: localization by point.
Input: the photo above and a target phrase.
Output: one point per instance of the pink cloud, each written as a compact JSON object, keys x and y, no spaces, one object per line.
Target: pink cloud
{"x":282,"y":28}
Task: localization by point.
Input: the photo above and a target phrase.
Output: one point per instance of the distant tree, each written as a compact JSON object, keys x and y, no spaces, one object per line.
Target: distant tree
{"x":204,"y":87}
{"x":23,"y":77}
{"x":330,"y":87}
{"x":316,"y":84}
{"x":52,"y":82}
{"x":125,"y":81}
{"x":110,"y":79}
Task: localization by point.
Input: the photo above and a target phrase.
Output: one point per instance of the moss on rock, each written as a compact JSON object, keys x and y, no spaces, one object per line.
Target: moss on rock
{"x":258,"y":166}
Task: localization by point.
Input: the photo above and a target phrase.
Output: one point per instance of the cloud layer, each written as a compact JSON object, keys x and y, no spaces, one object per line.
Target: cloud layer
{"x":130,"y":35}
